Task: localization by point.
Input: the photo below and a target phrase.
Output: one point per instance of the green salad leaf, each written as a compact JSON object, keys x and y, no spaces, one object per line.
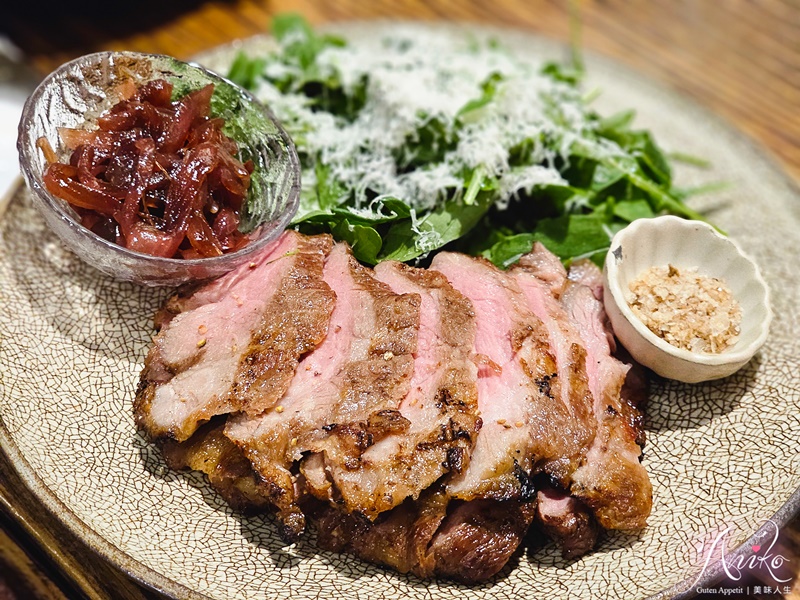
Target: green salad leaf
{"x":424,"y":140}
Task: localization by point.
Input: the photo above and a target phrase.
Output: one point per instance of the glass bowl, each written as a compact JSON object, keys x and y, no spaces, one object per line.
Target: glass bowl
{"x":684,"y":244}
{"x":81,"y":90}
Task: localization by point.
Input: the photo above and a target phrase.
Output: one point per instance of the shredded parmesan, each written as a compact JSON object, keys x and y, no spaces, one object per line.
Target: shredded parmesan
{"x":416,"y":77}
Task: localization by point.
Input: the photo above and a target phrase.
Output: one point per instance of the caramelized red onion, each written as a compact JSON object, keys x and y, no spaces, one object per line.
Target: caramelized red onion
{"x":156,"y":176}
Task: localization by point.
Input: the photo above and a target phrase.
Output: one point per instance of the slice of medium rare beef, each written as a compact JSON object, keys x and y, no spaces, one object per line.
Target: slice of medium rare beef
{"x":546,"y":267}
{"x":524,"y":430}
{"x":194,"y":296}
{"x":465,"y":541}
{"x":238,"y":351}
{"x":634,"y":390}
{"x":612,"y":481}
{"x":345,"y":395}
{"x":567,"y":347}
{"x":587,"y":273}
{"x":567,"y":521}
{"x":441,"y":407}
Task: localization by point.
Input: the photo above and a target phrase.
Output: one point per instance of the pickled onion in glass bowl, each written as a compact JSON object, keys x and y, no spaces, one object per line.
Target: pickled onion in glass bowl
{"x":67,"y":106}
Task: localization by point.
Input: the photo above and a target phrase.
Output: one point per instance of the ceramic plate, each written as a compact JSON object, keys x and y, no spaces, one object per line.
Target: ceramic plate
{"x":723,"y":456}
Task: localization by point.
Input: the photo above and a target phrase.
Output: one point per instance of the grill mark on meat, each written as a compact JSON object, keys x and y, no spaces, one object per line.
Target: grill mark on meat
{"x":440,"y":409}
{"x":295,"y":323}
{"x":566,"y":521}
{"x":190,"y":372}
{"x":336,"y":404}
{"x":633,"y":395}
{"x":612,"y":482}
{"x":523,"y":429}
{"x":356,"y":438}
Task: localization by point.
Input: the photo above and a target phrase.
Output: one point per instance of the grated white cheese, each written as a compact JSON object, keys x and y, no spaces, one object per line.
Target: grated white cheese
{"x":526,"y":178}
{"x":413,"y":78}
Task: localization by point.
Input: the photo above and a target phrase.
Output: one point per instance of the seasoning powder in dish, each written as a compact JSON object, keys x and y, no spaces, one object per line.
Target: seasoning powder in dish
{"x":687,"y":309}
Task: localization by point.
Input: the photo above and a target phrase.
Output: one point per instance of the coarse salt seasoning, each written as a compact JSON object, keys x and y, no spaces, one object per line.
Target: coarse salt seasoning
{"x":686,"y":309}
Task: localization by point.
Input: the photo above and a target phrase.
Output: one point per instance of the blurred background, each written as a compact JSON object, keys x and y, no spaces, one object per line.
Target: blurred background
{"x":739,"y":58}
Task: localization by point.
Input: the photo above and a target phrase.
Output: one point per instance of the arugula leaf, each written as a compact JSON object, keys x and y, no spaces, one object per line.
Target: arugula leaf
{"x":471,"y":109}
{"x":574,"y":235}
{"x":631,"y":210}
{"x":507,"y":250}
{"x":329,"y":191}
{"x":300,"y":48}
{"x":429,"y":144}
{"x":364,"y":241}
{"x":571,"y":74}
{"x":568,"y":237}
{"x":608,"y":173}
{"x":689,"y":159}
{"x":301,"y":44}
{"x":386,"y":211}
{"x":406,"y":241}
{"x":246,"y":71}
{"x":707,"y":188}
{"x":620,"y":121}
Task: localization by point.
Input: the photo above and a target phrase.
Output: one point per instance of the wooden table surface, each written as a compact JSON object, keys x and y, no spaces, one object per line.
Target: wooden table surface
{"x":740,"y":58}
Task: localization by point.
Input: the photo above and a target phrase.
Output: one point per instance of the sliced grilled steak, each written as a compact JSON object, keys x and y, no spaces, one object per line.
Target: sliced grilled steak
{"x":567,"y":347}
{"x":525,"y":430}
{"x":345,"y":395}
{"x":566,"y":521}
{"x":546,"y":267}
{"x":587,"y":273}
{"x":634,"y":390}
{"x":236,"y":344}
{"x":413,"y":408}
{"x":441,"y":406}
{"x":612,"y":481}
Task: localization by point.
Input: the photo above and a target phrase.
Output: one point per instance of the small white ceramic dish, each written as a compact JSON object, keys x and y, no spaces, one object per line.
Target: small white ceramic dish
{"x":671,"y":240}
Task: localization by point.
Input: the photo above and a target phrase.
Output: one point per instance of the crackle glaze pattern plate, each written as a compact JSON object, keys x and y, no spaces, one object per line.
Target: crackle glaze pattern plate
{"x":723,"y":457}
